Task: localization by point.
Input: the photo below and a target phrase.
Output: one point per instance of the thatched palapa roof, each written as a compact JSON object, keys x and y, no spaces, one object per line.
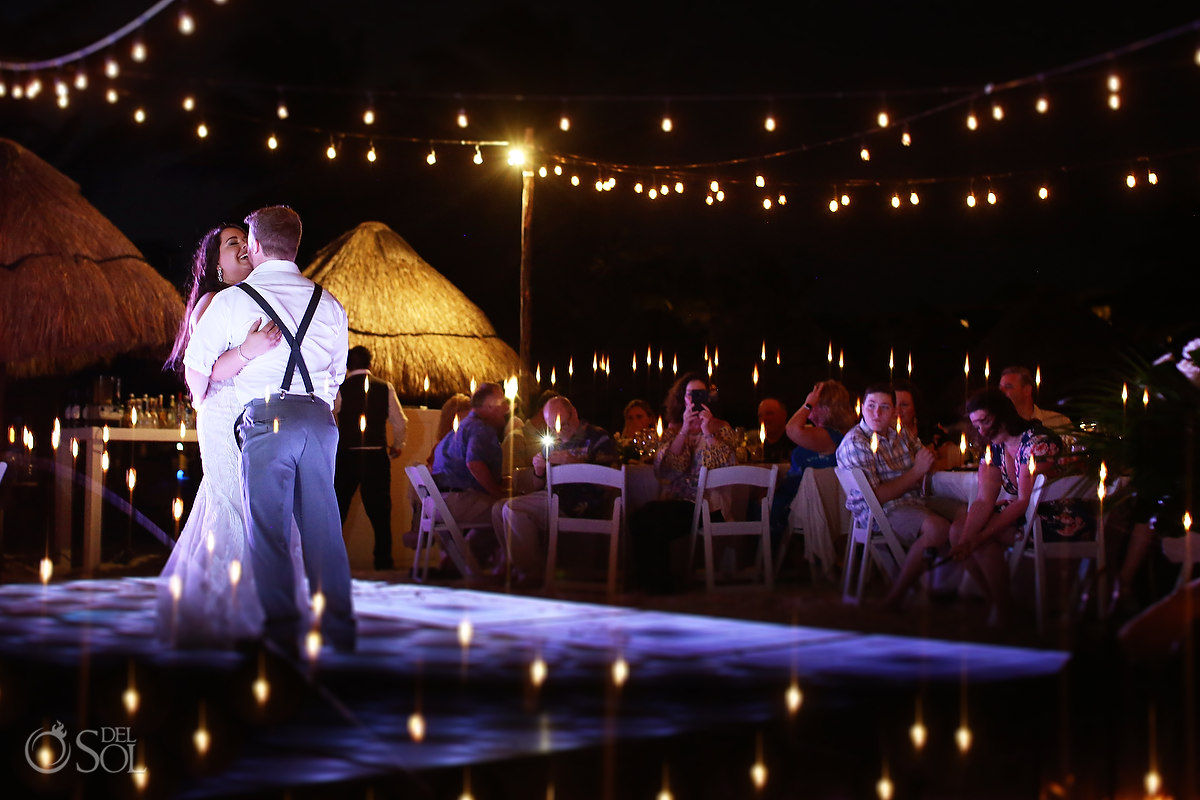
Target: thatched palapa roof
{"x":73,"y":289}
{"x":413,"y":320}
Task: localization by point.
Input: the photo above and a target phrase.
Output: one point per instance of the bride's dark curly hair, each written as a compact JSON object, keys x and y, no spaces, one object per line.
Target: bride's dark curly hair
{"x":203,"y":280}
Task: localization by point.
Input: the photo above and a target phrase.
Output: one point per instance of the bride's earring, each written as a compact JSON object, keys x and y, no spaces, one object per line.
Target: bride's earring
{"x":220,"y":276}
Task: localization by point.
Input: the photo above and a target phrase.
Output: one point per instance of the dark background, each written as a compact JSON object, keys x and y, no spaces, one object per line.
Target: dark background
{"x":1063,"y":284}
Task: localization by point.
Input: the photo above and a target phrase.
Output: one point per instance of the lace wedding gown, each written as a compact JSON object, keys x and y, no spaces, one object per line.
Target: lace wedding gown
{"x":210,"y":566}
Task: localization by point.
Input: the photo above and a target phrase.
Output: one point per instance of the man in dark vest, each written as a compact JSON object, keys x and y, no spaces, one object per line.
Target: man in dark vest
{"x":363,"y":406}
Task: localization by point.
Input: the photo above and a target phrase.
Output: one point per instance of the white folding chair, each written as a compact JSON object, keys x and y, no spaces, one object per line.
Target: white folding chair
{"x":703,"y":525}
{"x":869,"y":542}
{"x":1087,"y":551}
{"x":611,"y":526}
{"x":437,"y":522}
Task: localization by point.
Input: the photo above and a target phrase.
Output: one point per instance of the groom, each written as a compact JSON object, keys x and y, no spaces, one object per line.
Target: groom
{"x":289,"y":436}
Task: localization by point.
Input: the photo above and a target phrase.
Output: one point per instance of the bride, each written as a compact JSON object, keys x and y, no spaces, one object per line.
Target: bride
{"x":206,"y":593}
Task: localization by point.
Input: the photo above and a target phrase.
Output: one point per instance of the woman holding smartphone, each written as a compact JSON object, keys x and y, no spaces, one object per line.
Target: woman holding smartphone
{"x":694,"y":438}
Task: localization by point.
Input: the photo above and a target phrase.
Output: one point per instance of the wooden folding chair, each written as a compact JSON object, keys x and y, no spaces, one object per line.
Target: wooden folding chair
{"x":611,"y":526}
{"x":436,"y":521}
{"x":704,"y":526}
{"x":1033,"y":543}
{"x":869,"y":542}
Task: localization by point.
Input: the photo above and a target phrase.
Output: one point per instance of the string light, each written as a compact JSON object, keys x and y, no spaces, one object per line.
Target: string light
{"x":1043,"y":192}
{"x":906,"y":138}
{"x":564,"y":123}
{"x":991,"y":197}
{"x":558,"y":169}
{"x":1113,"y":82}
{"x":913,"y":198}
{"x":1042,"y":105}
{"x":760,"y":181}
{"x":111,"y":95}
{"x":997,"y":112}
{"x":714,"y":187}
{"x":138,"y":51}
{"x":331,"y":152}
{"x":281,"y":110}
{"x":139,"y":116}
{"x":1152,"y":177}
{"x":461,"y":119}
{"x":431,"y":159}
{"x":766,"y":204}
{"x":371,"y":153}
{"x":833,"y":206}
{"x":574,"y":180}
{"x":1114,"y":101}
{"x":189,"y":103}
{"x":637,"y":188}
{"x":542,"y":171}
{"x":652,"y":194}
{"x":845,"y":199}
{"x":369,"y":117}
{"x":1131,"y":180}
{"x":111,"y":68}
{"x":769,"y":122}
{"x":478,"y":159}
{"x":895,"y":201}
{"x":272,"y":142}
{"x":202,"y":131}
{"x":883,"y":119}
{"x":972,"y":121}
{"x":667,"y":125}
{"x":187,"y":25}
{"x":782,"y":199}
{"x":864,"y":153}
{"x":971,"y":199}
{"x":81,"y":79}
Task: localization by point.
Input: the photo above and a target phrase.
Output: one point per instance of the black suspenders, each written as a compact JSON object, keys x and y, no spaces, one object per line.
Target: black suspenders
{"x":296,"y":359}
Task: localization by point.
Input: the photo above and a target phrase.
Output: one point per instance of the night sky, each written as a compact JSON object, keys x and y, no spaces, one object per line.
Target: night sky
{"x":614,"y":271}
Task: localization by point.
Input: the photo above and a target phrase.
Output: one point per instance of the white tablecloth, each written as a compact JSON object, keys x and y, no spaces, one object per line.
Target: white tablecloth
{"x":819,"y":511}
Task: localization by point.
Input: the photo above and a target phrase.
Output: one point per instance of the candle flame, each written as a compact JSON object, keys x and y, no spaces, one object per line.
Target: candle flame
{"x":987,"y":369}
{"x":716,"y":357}
{"x":474,"y":385}
{"x":778,"y":359}
{"x":620,"y":671}
{"x":658,"y":428}
{"x":793,"y":698}
{"x":175,"y":586}
{"x":558,"y":423}
{"x":45,"y":570}
{"x":899,"y":428}
{"x":366,"y":383}
{"x":754,"y":378}
{"x":131,"y":478}
{"x":829,"y":354}
{"x":841,"y":359}
{"x":967,"y":364}
{"x":674,"y":364}
{"x":104,"y":434}
{"x":762,"y":432}
{"x":1187,"y":522}
{"x":454,"y":424}
{"x":891,"y":358}
{"x":987,"y":456}
{"x":571,"y":366}
{"x":595,"y":361}
{"x":104,"y":461}
{"x":74,"y":447}
{"x":763,"y":356}
{"x":553,"y":376}
{"x":758,"y":774}
{"x":133,"y":415}
{"x":1103,"y":471}
{"x":275,"y":425}
{"x":210,"y":543}
{"x":56,"y":435}
{"x":261,"y":689}
{"x":884,"y":788}
{"x":1032,"y":465}
{"x":537,"y":671}
{"x":635,"y":362}
{"x":1146,"y":397}
{"x":312,"y":644}
{"x":235,"y":572}
{"x":874,"y":442}
{"x":465,"y":632}
{"x":910,"y":365}
{"x":318,"y":605}
{"x":182,"y":430}
{"x":1124,"y":393}
{"x":648,"y":356}
{"x":963,"y":737}
{"x":177,"y":508}
{"x":537,"y":373}
{"x":426,"y":383}
{"x":131,"y":699}
{"x":918,"y":734}
{"x":1153,"y":783}
{"x":362,"y":423}
{"x":962,"y":443}
{"x":1037,"y":377}
{"x":416,"y":726}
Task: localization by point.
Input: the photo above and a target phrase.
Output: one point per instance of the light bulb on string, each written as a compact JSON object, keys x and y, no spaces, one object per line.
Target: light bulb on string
{"x":431,"y":158}
{"x":906,"y":138}
{"x":187,"y":24}
{"x":714,"y":187}
{"x":652,"y":194}
{"x":558,"y":169}
{"x":997,"y":112}
{"x":110,"y":95}
{"x":1152,"y":177}
{"x":1113,"y":82}
{"x":883,"y":119}
{"x":833,"y":206}
{"x":574,"y":180}
{"x":782,"y":200}
{"x":368,"y":117}
{"x":34,"y":87}
{"x":461,"y":119}
{"x":864,"y":153}
{"x":913,"y":197}
{"x":667,"y":124}
{"x":331,"y":151}
{"x":189,"y":103}
{"x":769,"y":123}
{"x":637,"y":188}
{"x":81,"y":79}
{"x":1114,"y":101}
{"x":564,"y":123}
{"x":139,"y":116}
{"x":760,"y":181}
{"x":111,"y":68}
{"x":478,"y":159}
{"x":971,"y":199}
{"x":708,"y":200}
{"x":138,"y":51}
{"x":721,"y":196}
{"x":845,"y":199}
{"x":1042,"y":105}
{"x":272,"y":142}
{"x":371,"y":153}
{"x":1043,"y":192}
{"x":202,"y":131}
{"x":1131,"y":180}
{"x":766,"y":204}
{"x":599,"y":185}
{"x":972,"y":121}
{"x":62,"y":101}
{"x":542,"y":171}
{"x":60,"y":87}
{"x":991,"y":197}
{"x":281,"y":110}
{"x":17,"y":91}
{"x":895,"y":200}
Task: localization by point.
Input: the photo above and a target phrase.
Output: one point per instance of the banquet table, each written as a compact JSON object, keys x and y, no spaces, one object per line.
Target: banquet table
{"x":91,"y":450}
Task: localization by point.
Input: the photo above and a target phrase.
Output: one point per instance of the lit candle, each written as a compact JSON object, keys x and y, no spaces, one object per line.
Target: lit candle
{"x":793,"y":697}
{"x":763,"y":356}
{"x":874,"y":442}
{"x":829,"y":359}
{"x":537,"y":374}
{"x":910,"y":364}
{"x":1146,"y":397}
{"x":177,"y":513}
{"x":201,"y":737}
{"x":675,"y":364}
{"x":842,"y":364}
{"x":891,"y":362}
{"x":778,"y":359}
{"x":754,"y":377}
{"x":130,"y":697}
{"x":962,"y":447}
{"x":762,"y":432}
{"x":1124,"y":402}
{"x":966,"y":377}
{"x":261,"y":689}
{"x":553,"y":376}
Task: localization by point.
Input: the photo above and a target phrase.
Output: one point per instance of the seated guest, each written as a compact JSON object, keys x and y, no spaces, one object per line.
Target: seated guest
{"x":895,"y":473}
{"x":772,"y":416}
{"x":992,"y":523}
{"x":639,"y":416}
{"x":694,"y":438}
{"x":535,"y":427}
{"x":525,"y":517}
{"x":454,"y":409}
{"x":906,"y":412}
{"x":815,"y":430}
{"x":466,"y":463}
{"x":1017,"y":384}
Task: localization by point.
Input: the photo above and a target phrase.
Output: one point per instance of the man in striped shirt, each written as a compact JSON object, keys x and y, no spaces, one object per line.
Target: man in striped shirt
{"x":895,"y":472}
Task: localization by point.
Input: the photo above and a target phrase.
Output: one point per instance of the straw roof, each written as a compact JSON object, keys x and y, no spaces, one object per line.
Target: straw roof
{"x":413,"y":320}
{"x":73,"y":289}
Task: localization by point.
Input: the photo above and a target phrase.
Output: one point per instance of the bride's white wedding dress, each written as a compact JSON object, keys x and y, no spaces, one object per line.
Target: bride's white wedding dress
{"x":210,"y":565}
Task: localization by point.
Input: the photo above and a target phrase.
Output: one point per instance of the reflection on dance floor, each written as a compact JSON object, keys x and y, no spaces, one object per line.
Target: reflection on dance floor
{"x":441,"y":678}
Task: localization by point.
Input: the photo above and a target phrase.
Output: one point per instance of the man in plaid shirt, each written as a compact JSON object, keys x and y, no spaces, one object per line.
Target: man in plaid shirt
{"x":895,"y":473}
